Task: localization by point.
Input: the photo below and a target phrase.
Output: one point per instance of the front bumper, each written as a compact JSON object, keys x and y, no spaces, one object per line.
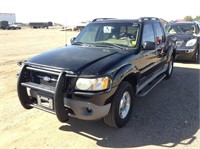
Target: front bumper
{"x":185,"y":54}
{"x":60,"y":100}
{"x":78,"y":108}
{"x":86,"y":110}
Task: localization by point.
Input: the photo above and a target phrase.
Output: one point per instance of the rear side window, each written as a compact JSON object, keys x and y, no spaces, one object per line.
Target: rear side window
{"x":148,"y":33}
{"x":159,"y":33}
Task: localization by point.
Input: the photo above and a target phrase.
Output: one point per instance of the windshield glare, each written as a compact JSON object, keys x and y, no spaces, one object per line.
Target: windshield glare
{"x":122,"y":34}
{"x":180,"y":29}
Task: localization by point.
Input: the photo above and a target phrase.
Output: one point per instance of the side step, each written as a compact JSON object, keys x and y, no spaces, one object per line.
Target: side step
{"x":150,"y":86}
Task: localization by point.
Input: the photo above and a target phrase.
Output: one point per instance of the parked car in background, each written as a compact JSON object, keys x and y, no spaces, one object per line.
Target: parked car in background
{"x":188,"y":39}
{"x":14,"y":26}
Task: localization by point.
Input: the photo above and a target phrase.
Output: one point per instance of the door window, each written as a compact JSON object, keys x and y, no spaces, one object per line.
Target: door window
{"x":159,"y":33}
{"x":148,"y":33}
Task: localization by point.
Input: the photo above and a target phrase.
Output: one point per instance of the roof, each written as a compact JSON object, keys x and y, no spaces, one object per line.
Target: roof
{"x":176,"y":23}
{"x":7,"y":13}
{"x":112,"y":20}
{"x":115,"y":21}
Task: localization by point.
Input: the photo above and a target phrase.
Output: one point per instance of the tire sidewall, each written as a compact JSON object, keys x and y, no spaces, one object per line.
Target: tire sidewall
{"x":196,"y":55}
{"x":117,"y":97}
{"x":169,"y":72}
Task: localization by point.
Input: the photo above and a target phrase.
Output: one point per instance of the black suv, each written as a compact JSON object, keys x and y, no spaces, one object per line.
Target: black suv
{"x":188,"y":39}
{"x":98,"y":76}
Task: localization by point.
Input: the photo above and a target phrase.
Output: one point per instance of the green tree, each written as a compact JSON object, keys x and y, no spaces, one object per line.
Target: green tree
{"x":188,"y":18}
{"x":197,"y":18}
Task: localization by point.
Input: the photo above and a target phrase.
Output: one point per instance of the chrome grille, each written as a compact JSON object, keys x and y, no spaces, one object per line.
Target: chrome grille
{"x":179,"y":42}
{"x":43,"y":78}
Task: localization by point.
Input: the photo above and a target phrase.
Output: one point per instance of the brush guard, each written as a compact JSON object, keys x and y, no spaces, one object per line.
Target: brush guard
{"x":49,"y":98}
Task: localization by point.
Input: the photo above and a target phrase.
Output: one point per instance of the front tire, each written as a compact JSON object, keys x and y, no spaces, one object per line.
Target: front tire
{"x":122,"y":106}
{"x":195,"y":58}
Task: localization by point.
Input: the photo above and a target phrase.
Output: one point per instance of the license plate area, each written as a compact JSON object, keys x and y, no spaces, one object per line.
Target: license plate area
{"x":45,"y":101}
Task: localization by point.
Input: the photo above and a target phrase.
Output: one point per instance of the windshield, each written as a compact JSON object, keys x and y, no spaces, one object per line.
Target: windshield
{"x":120,"y":35}
{"x":180,"y":29}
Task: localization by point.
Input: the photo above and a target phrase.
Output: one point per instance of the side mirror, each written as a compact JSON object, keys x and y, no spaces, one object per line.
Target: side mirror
{"x":72,"y":39}
{"x":149,"y":45}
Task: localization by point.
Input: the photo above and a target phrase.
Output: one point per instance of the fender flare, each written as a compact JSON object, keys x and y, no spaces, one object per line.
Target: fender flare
{"x":123,"y":72}
{"x":171,"y":52}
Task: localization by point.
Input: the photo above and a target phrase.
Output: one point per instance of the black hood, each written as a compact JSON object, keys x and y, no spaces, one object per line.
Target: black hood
{"x":74,"y":58}
{"x":184,"y":37}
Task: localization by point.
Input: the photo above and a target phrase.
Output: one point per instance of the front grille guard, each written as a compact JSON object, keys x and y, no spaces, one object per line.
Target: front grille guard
{"x":57,"y":92}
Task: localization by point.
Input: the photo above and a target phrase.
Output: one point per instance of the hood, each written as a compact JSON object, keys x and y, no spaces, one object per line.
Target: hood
{"x":73,"y":58}
{"x":182,"y":39}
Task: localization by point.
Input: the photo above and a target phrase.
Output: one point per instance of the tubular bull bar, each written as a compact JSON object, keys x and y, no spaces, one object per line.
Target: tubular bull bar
{"x":55,"y":101}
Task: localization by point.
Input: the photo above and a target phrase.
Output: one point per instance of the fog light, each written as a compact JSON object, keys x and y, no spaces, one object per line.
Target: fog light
{"x":190,"y":51}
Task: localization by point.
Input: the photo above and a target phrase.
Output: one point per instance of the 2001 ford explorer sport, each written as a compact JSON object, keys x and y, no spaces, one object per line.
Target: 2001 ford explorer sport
{"x":98,"y":76}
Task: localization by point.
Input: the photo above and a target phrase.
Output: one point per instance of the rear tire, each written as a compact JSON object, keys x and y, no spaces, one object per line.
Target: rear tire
{"x":122,"y":106}
{"x":170,"y":68}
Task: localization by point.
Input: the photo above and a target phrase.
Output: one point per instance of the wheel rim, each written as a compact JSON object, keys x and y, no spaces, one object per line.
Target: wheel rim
{"x":170,"y":67}
{"x":124,"y":106}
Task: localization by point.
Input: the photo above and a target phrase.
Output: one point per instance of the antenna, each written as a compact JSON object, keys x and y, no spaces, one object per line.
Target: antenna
{"x":65,"y":29}
{"x":65,"y":37}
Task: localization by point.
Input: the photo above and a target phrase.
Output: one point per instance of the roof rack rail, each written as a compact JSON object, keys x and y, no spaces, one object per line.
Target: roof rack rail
{"x":100,"y":19}
{"x":147,"y":18}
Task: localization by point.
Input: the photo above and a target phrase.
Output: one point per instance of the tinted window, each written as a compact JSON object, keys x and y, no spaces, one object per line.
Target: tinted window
{"x":148,"y":33}
{"x":159,"y":33}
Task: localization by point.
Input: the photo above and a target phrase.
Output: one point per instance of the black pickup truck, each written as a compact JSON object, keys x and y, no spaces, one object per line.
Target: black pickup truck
{"x":107,"y":65}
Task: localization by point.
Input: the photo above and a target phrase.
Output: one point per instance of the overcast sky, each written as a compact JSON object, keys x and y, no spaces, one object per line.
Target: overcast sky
{"x":74,"y":11}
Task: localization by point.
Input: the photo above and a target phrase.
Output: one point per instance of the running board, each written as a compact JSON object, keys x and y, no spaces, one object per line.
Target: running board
{"x":150,"y":86}
{"x":152,"y":78}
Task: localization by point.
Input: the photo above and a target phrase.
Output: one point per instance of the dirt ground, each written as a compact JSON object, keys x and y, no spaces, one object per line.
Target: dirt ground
{"x":167,"y":117}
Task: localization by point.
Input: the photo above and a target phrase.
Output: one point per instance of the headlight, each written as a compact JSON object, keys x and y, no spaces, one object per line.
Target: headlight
{"x":191,"y":42}
{"x":96,"y":84}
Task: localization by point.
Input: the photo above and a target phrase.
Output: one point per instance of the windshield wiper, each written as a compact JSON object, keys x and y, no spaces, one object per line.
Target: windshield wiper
{"x":81,"y":43}
{"x":77,"y":43}
{"x":110,"y":45}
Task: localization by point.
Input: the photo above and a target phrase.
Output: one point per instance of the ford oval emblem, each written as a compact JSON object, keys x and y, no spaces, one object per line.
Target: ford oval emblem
{"x":46,"y":78}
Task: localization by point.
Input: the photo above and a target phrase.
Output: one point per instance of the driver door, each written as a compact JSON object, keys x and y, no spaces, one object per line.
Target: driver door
{"x":148,"y":63}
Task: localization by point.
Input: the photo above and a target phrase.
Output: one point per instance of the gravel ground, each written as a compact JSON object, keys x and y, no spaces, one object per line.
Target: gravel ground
{"x":167,"y":117}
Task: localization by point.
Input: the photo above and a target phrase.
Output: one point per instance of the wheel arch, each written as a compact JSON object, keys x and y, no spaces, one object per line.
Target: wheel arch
{"x":171,"y":52}
{"x":129,"y":73}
